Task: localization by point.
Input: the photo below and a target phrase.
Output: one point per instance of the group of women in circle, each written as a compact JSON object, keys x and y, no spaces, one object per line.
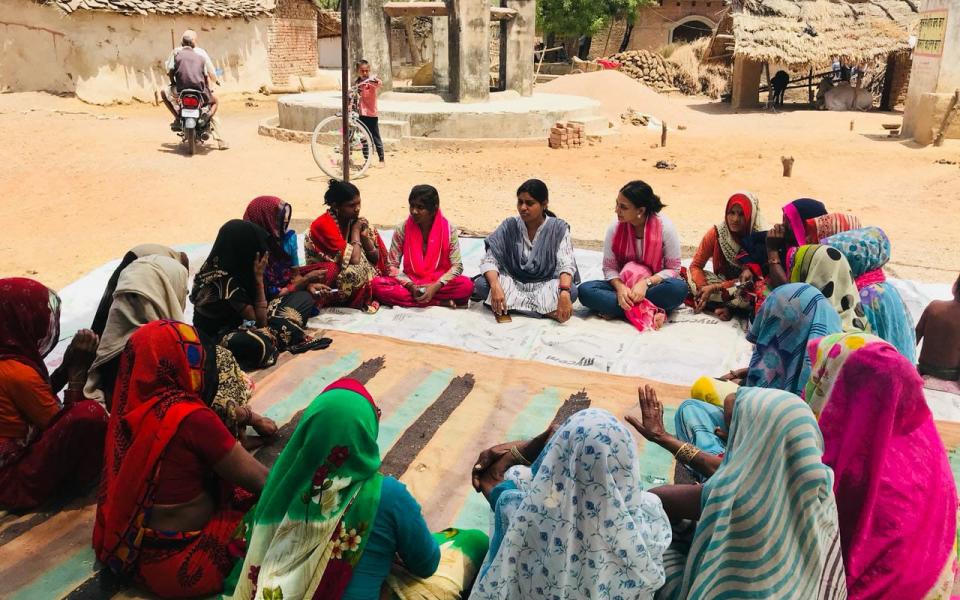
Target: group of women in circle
{"x":796,"y":465}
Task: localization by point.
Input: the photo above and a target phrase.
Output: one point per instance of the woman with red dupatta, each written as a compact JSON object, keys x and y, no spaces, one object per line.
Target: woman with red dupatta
{"x":45,"y":448}
{"x":347,"y":248}
{"x":641,"y":262}
{"x":429,"y":247}
{"x":176,"y":482}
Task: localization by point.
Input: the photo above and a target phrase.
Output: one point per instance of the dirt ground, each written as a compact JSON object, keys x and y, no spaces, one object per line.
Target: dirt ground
{"x":81,"y":184}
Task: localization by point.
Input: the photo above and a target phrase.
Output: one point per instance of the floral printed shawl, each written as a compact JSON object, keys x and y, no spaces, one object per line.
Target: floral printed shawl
{"x":315,"y":514}
{"x":577,"y":523}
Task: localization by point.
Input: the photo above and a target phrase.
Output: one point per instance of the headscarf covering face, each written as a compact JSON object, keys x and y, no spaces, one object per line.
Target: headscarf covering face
{"x":768,"y":526}
{"x":827,"y":269}
{"x":159,"y":384}
{"x":581,"y":522}
{"x":730,"y":242}
{"x":141,"y":251}
{"x":797,"y":213}
{"x":830,"y":224}
{"x":273,"y":215}
{"x":29,"y":321}
{"x":790,"y":317}
{"x":896,"y":496}
{"x":153,"y":288}
{"x":233,"y":254}
{"x":316,"y":511}
{"x":868,"y":250}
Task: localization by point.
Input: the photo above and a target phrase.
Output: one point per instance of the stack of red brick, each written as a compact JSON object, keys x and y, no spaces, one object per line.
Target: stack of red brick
{"x":566,"y":135}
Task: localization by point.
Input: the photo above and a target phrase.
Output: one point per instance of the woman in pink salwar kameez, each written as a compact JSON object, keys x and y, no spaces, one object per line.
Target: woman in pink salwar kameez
{"x":424,"y":264}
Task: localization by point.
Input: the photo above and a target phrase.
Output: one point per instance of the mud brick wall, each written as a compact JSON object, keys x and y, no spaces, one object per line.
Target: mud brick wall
{"x":293,"y":41}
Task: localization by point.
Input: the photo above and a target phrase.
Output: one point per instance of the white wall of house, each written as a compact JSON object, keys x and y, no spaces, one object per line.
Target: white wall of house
{"x":328,"y":52}
{"x":107,"y":57}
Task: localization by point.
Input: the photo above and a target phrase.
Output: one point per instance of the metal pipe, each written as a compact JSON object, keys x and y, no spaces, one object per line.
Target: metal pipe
{"x":345,"y":88}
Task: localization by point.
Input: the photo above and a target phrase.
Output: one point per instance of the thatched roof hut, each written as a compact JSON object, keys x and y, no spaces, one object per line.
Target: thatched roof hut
{"x":806,"y":34}
{"x":810,"y":32}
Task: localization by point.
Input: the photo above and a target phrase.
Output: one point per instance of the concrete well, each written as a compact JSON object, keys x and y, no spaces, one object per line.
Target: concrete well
{"x":419,"y":116}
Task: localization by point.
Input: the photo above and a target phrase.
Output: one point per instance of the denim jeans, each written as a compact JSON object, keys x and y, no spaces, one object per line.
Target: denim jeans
{"x":599,"y":296}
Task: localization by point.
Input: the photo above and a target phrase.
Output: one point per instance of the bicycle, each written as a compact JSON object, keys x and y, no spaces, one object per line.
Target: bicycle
{"x":326,"y":143}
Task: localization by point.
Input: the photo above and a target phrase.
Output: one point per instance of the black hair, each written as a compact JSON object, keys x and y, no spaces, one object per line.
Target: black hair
{"x":641,"y":195}
{"x":427,"y":194}
{"x":537,"y":190}
{"x":339,"y":193}
{"x":361,"y":62}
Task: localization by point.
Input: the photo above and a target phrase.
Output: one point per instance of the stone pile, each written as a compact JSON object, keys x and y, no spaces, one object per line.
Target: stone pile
{"x":648,"y":67}
{"x":566,"y":135}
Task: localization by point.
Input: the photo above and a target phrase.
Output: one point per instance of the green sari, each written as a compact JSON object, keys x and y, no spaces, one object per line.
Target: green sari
{"x":316,"y":511}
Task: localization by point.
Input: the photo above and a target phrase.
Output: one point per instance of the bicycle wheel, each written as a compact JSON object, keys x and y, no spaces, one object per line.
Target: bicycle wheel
{"x":326,"y":144}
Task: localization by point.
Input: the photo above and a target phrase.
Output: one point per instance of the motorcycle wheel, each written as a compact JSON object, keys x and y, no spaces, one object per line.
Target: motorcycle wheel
{"x":190,"y":137}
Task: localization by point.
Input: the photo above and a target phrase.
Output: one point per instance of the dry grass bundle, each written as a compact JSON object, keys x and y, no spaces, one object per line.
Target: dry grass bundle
{"x":689,"y":75}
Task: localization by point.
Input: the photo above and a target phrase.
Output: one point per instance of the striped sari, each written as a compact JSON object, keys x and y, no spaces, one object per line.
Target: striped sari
{"x":768,"y":526}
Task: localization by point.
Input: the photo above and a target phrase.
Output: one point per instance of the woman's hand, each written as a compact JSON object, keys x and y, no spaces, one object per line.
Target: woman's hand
{"x":703,"y":296}
{"x":498,"y":300}
{"x":651,"y":411}
{"x":260,"y":266}
{"x":428,"y":293}
{"x":80,"y":354}
{"x":639,"y":291}
{"x":564,"y":306}
{"x":482,"y":469}
{"x":355,"y":230}
{"x":734,"y":375}
{"x":318,"y":289}
{"x":746,"y":276}
{"x":775,"y":237}
{"x":625,"y":298}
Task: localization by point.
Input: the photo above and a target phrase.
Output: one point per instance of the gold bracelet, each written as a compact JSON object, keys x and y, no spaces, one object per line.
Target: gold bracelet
{"x":515,"y":453}
{"x":687,"y":453}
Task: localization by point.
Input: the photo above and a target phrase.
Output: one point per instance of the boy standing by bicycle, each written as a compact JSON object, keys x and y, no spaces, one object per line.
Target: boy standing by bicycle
{"x":367,"y":87}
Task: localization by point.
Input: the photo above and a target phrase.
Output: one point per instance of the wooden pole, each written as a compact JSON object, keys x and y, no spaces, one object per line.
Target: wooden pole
{"x":938,"y":141}
{"x":663,"y":134}
{"x":787,"y":165}
{"x":810,"y":86}
{"x":345,"y":88}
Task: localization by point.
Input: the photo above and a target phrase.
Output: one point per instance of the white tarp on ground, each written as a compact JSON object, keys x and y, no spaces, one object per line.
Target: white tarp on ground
{"x":690,"y":345}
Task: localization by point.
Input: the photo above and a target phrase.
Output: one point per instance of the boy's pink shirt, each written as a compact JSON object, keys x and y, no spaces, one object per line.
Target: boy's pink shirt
{"x":368,"y":98}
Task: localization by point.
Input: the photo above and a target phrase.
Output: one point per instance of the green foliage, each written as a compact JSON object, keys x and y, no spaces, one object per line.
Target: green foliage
{"x":582,"y":17}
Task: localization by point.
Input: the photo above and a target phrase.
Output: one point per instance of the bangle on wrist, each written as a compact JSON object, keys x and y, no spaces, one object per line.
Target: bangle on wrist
{"x":518,"y":456}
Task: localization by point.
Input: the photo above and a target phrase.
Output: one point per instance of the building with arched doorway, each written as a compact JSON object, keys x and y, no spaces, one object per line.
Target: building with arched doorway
{"x":659,"y":24}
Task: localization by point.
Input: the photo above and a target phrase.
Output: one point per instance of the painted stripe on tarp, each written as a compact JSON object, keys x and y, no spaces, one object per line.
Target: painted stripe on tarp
{"x":532,"y":420}
{"x":655,"y":462}
{"x":418,"y":435}
{"x":283,"y":411}
{"x":412,"y":407}
{"x":59,"y":580}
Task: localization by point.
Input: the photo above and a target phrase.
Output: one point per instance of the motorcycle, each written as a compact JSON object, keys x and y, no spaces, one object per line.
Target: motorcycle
{"x":194,"y":119}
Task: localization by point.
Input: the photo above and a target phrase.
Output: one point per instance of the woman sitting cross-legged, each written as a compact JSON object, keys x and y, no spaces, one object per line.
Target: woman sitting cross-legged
{"x":330,"y":526}
{"x":347,"y":248}
{"x":46,"y":449}
{"x":424,"y":258}
{"x":529,"y":265}
{"x":574,"y":524}
{"x":717,"y":290}
{"x":230,"y":301}
{"x":766,"y":520}
{"x":176,"y":482}
{"x":641,"y":262}
{"x":896,"y":495}
{"x":281,"y":277}
{"x":827,"y":269}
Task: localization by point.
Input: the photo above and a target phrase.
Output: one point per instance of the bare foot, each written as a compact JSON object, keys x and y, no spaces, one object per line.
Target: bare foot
{"x":262,"y":425}
{"x":723,"y":313}
{"x":659,"y":319}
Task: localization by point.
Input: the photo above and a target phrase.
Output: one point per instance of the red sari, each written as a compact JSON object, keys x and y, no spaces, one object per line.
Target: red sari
{"x":46,"y":449}
{"x":326,"y":248}
{"x":159,"y":384}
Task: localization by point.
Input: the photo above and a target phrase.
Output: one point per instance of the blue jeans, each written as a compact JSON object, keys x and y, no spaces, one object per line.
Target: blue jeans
{"x":599,"y":296}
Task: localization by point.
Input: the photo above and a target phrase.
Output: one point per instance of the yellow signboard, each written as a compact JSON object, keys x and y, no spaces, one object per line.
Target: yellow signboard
{"x":933,"y":28}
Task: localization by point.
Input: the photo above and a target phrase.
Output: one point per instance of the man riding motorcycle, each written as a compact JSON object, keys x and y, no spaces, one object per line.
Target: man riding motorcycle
{"x":190,"y":67}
